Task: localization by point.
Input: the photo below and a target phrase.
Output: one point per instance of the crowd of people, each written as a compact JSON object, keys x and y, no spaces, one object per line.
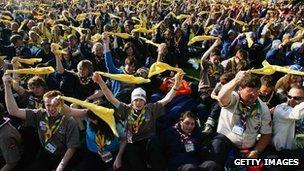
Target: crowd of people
{"x":129,"y":68}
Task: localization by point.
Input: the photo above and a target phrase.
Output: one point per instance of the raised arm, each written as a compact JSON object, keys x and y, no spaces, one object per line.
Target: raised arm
{"x":58,"y":56}
{"x":67,"y":110}
{"x":170,"y":95}
{"x":207,"y":53}
{"x":224,"y":96}
{"x":106,"y":91}
{"x":10,"y":101}
{"x":108,"y":56}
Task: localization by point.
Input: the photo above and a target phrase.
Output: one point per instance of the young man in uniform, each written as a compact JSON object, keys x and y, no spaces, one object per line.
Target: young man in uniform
{"x":59,"y":135}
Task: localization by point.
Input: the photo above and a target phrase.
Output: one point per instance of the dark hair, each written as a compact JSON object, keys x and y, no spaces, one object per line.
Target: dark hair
{"x":130,"y":61}
{"x":101,"y":126}
{"x":187,"y":114}
{"x":14,"y":38}
{"x":216,"y":52}
{"x":36,"y":81}
{"x":268,"y":81}
{"x":243,"y":53}
{"x":250,"y":80}
{"x":226,"y":77}
{"x":129,"y":45}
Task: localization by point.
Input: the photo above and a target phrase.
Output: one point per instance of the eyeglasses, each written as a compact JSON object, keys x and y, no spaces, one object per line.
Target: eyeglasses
{"x":295,"y":97}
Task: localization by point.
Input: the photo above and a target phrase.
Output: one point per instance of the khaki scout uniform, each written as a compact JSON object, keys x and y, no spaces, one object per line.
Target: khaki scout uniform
{"x":65,"y":136}
{"x":10,"y":143}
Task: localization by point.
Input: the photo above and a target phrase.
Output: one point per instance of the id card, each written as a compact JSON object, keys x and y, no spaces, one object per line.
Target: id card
{"x":238,"y":129}
{"x":50,"y":148}
{"x":106,"y":156}
{"x":189,"y":147}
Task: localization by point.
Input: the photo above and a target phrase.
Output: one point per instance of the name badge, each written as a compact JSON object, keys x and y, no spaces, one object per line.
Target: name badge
{"x":238,"y":129}
{"x":50,"y":148}
{"x":106,"y":156}
{"x":189,"y":147}
{"x":42,"y":125}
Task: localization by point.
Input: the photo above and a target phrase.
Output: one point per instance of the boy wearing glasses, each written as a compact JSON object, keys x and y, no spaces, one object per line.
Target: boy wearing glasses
{"x":288,"y":126}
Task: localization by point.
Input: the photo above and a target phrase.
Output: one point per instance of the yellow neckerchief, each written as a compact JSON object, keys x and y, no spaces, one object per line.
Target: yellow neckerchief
{"x":135,"y":120}
{"x":51,"y":131}
{"x":100,"y":140}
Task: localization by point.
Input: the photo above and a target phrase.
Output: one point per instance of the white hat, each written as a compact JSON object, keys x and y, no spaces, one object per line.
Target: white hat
{"x":138,"y":93}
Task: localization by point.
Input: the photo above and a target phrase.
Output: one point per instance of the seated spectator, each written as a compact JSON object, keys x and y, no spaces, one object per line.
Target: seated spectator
{"x":267,"y":92}
{"x":284,"y":84}
{"x":182,"y":144}
{"x":59,"y":135}
{"x":238,"y":63}
{"x":101,"y":143}
{"x":140,"y":117}
{"x":212,"y":119}
{"x":243,"y":117}
{"x":288,"y":126}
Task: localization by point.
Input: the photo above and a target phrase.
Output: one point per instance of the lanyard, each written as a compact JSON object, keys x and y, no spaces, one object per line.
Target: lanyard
{"x":135,"y":120}
{"x":50,"y":131}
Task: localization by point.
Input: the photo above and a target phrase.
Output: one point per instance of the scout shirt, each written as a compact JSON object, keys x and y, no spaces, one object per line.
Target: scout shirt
{"x":230,"y":117}
{"x":152,"y":111}
{"x":65,"y":136}
{"x":10,"y":143}
{"x":210,"y":75}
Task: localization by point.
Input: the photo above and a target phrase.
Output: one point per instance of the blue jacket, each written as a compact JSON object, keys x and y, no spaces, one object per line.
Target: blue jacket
{"x":116,"y":85}
{"x":175,"y":151}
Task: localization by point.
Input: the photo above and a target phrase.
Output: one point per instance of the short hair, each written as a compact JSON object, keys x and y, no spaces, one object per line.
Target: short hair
{"x":187,"y":114}
{"x":128,"y":22}
{"x":95,"y":46}
{"x":226,"y":77}
{"x":86,"y":64}
{"x":268,"y":81}
{"x":52,"y":93}
{"x":243,"y":53}
{"x":36,"y":81}
{"x":14,"y":38}
{"x":72,"y":36}
{"x":129,"y":45}
{"x":215,"y":52}
{"x":250,"y":80}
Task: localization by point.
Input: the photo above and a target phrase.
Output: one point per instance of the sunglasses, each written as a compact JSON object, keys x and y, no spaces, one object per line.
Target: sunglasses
{"x":295,"y":97}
